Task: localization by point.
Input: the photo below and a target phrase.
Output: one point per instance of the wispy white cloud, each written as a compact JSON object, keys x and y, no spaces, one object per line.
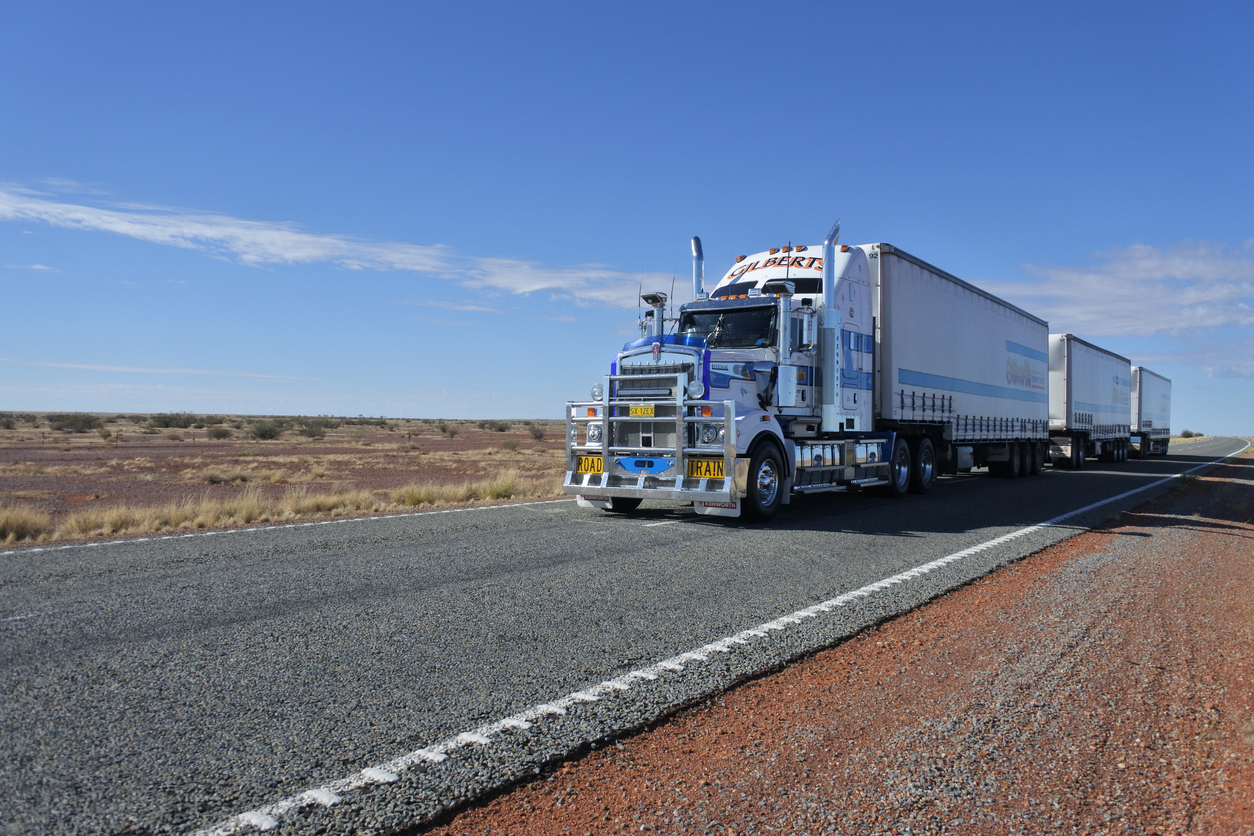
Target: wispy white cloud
{"x":1142,"y":291}
{"x":453,"y":306}
{"x":258,"y":243}
{"x":250,"y":242}
{"x":42,"y":267}
{"x":102,"y":367}
{"x":1194,"y":300}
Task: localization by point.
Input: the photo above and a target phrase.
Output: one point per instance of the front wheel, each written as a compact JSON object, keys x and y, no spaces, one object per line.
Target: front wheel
{"x":766,"y":485}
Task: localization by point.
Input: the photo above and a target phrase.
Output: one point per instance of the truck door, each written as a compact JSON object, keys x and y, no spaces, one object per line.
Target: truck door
{"x":856,"y":350}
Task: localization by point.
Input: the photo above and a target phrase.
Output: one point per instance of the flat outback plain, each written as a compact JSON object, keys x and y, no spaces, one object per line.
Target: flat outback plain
{"x":72,"y":476}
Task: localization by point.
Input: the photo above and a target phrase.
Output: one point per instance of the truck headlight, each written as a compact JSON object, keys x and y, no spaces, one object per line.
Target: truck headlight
{"x":696,"y":389}
{"x":710,"y":433}
{"x":598,"y":389}
{"x":594,"y":433}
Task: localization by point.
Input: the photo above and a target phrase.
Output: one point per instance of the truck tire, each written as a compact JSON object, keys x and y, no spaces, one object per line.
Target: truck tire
{"x":624,"y":504}
{"x":766,"y":485}
{"x":1036,"y":462}
{"x":923,"y":465}
{"x":1078,"y":455}
{"x":899,"y":470}
{"x":1012,"y":467}
{"x":1025,"y":459}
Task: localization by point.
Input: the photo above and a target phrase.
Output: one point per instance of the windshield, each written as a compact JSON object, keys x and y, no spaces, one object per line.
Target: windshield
{"x":732,"y":328}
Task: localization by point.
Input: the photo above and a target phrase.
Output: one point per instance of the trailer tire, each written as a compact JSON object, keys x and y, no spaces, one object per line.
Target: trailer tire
{"x":1036,"y":460}
{"x":1077,"y":455}
{"x":922,"y":465}
{"x":899,"y":470}
{"x":766,"y":484}
{"x":1013,"y":466}
{"x":624,"y":504}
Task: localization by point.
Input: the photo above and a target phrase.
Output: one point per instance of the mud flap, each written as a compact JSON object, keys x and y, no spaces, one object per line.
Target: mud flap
{"x":718,"y":509}
{"x":602,"y":502}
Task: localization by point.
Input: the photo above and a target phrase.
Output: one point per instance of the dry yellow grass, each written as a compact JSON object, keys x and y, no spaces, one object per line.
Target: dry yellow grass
{"x":508,"y":484}
{"x":21,"y":523}
{"x":251,"y":506}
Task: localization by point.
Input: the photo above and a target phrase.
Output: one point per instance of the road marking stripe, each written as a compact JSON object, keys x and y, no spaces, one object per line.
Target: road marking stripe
{"x":259,"y":818}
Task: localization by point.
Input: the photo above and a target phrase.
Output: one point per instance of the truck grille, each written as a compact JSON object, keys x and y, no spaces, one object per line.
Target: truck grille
{"x":651,"y":389}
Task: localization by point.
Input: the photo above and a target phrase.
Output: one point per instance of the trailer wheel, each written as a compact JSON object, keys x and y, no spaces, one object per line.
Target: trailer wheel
{"x":898,"y":470}
{"x":1036,"y":458}
{"x":1014,"y":465}
{"x":624,"y":504}
{"x":923,"y":471}
{"x":1077,"y":455}
{"x":766,"y":484}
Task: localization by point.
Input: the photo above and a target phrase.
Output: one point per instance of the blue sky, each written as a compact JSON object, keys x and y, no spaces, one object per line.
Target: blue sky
{"x":421,"y":210}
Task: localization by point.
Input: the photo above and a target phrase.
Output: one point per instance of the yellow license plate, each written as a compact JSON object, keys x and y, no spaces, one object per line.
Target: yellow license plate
{"x":589,"y":464}
{"x":705,"y":469}
{"x":640,"y":411}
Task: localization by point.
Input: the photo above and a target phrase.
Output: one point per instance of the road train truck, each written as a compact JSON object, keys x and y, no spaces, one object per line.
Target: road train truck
{"x":1090,"y":392}
{"x":809,"y":369}
{"x":1151,"y":412}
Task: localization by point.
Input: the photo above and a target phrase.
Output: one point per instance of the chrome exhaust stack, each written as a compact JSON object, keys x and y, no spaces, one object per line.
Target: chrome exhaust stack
{"x":829,"y":337}
{"x":698,"y":270}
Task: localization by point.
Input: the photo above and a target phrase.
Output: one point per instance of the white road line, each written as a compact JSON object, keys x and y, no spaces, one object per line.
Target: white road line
{"x":275,"y":527}
{"x":261,"y":818}
{"x":670,"y":522}
{"x":21,"y":617}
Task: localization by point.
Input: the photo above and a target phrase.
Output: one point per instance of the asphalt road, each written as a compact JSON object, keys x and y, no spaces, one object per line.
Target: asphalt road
{"x":367,"y":675}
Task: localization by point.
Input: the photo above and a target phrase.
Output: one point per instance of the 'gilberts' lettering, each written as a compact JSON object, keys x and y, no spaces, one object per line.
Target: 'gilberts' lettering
{"x":798,"y":262}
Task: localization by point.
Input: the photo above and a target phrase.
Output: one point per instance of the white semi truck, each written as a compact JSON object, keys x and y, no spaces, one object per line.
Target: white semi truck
{"x":1090,"y":391}
{"x":810,"y":369}
{"x":1151,"y":412}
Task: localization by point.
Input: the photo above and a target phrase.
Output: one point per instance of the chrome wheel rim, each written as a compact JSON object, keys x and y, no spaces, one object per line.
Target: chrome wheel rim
{"x":927,"y":463}
{"x":901,"y":469}
{"x":768,"y":483}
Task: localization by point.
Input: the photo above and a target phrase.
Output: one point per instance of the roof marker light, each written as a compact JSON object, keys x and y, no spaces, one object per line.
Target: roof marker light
{"x":844,"y":248}
{"x":739,"y":258}
{"x":774,"y":250}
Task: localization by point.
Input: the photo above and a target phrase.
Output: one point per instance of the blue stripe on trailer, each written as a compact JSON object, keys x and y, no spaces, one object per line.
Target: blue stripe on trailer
{"x":906,"y":377}
{"x":1023,"y":350}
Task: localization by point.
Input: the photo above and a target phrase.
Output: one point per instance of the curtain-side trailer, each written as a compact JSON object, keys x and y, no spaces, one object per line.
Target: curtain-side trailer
{"x":959,"y":366}
{"x":1090,"y":391}
{"x":1151,"y":412}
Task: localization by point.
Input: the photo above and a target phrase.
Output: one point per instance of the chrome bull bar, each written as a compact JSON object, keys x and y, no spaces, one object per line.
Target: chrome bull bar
{"x":630,"y":467}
